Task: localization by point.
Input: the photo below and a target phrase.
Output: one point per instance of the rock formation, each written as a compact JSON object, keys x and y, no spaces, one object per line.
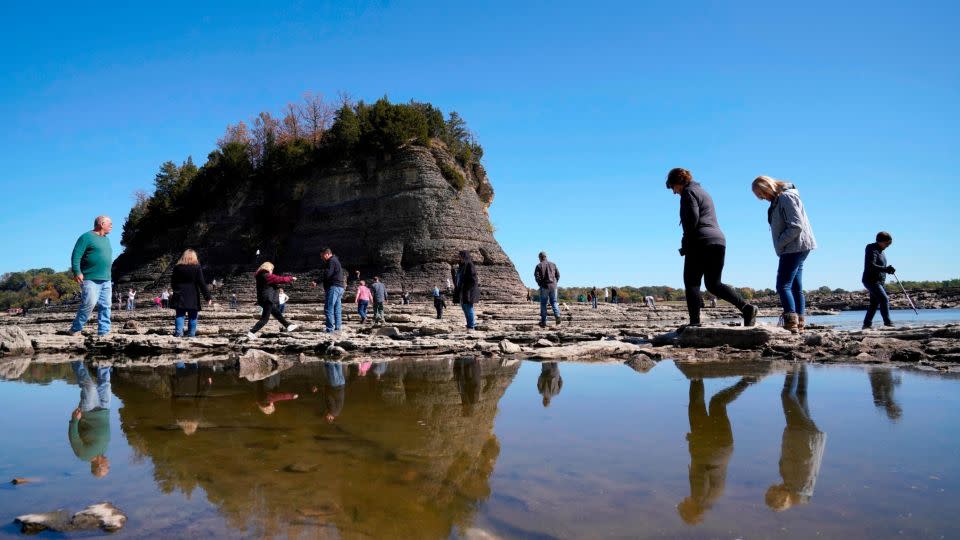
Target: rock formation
{"x":398,"y":216}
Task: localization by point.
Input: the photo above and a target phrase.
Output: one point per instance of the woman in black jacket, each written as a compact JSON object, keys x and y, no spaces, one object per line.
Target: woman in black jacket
{"x":467,"y":291}
{"x":703,"y":248}
{"x":188,"y":284}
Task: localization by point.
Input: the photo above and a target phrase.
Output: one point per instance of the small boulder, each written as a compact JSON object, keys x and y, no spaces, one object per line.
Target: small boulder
{"x":740,"y":337}
{"x":543,"y":343}
{"x":508,"y":347}
{"x":104,"y":516}
{"x":13,"y":340}
{"x":389,"y":331}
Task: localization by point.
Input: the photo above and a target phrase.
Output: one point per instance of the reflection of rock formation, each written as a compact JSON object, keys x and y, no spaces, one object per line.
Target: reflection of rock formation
{"x":882,"y":382}
{"x":401,"y":459}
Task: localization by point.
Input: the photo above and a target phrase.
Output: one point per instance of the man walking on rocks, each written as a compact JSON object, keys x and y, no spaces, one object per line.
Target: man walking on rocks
{"x":379,"y":291}
{"x":333,"y":287}
{"x":875,"y":270}
{"x":90,"y":262}
{"x":547,"y":275}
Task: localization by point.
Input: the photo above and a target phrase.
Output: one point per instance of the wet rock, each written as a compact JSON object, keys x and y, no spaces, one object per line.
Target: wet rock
{"x":134,"y":327}
{"x":391,"y":332}
{"x":586,"y":350}
{"x":508,"y":347}
{"x":104,"y":516}
{"x":336,"y":350}
{"x":13,"y":340}
{"x":256,"y":365}
{"x":641,"y":363}
{"x":813,"y":340}
{"x":300,"y":468}
{"x":18,"y":481}
{"x":668,"y":338}
{"x":735,"y":336}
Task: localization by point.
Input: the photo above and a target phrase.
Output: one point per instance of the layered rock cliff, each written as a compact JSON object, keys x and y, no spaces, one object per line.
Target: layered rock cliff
{"x":403,"y":215}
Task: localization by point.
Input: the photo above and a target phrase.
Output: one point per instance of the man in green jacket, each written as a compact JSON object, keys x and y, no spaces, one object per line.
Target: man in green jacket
{"x":91,"y":261}
{"x":89,"y":430}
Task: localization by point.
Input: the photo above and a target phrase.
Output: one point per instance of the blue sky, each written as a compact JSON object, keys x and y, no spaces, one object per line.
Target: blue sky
{"x":582,"y":108}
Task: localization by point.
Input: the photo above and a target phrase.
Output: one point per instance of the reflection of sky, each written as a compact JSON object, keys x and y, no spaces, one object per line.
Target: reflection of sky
{"x":853,"y":320}
{"x":608,"y":456}
{"x":611,"y":452}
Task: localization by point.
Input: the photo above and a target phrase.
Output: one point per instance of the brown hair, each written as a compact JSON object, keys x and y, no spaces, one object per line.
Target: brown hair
{"x":189,"y":257}
{"x":678,"y":177}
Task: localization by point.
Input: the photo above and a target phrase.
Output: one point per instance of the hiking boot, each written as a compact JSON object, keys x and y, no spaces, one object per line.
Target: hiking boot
{"x":542,"y":324}
{"x":251,"y":335}
{"x":559,"y":320}
{"x":800,"y":323}
{"x":867,"y":327}
{"x":749,"y":312}
{"x":889,"y":325}
{"x":791,"y":322}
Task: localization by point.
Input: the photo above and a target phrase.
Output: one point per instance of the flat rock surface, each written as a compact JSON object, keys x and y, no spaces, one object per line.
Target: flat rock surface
{"x":611,"y":331}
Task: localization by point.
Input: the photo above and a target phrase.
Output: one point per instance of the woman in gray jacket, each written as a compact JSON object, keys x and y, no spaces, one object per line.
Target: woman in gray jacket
{"x":792,"y":240}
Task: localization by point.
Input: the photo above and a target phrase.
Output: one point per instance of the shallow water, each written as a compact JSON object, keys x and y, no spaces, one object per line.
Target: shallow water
{"x":439,"y":449}
{"x":853,"y":320}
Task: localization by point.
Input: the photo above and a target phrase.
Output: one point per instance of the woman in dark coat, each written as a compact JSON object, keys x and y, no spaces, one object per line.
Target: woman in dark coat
{"x":467,"y":291}
{"x":188,"y":284}
{"x":268,"y":298}
{"x":703,"y":248}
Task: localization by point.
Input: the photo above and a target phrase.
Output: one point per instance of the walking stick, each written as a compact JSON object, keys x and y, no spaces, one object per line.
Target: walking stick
{"x":906,"y":294}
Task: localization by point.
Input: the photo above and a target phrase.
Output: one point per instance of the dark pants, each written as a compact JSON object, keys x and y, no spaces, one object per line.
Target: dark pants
{"x":268,"y":310}
{"x":706,"y":263}
{"x":878,"y":298}
{"x":438,"y":305}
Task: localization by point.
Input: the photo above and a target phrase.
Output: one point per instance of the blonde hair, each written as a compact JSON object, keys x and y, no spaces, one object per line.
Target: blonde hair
{"x":268,"y":266}
{"x":768,"y":186}
{"x":189,"y":257}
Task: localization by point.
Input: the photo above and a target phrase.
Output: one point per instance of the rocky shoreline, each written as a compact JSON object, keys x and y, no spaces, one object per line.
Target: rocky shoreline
{"x":630,"y":333}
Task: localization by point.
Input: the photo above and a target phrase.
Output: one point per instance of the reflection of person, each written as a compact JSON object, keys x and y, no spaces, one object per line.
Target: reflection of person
{"x":710,"y":442}
{"x":802,"y":449}
{"x":190,"y":386}
{"x":882,"y":382}
{"x":467,"y":372}
{"x":335,"y":392}
{"x":266,"y":401}
{"x":550,"y":382}
{"x":89,"y":430}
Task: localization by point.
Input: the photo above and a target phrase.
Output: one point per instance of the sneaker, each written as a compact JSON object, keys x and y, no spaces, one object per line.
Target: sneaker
{"x":750,"y":315}
{"x":542,"y":324}
{"x":251,"y":335}
{"x":292,"y":327}
{"x":889,"y":325}
{"x":867,"y":327}
{"x":685,"y":326}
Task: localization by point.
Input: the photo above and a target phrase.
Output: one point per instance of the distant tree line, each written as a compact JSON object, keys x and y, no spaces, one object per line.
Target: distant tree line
{"x":630,"y":294}
{"x":278,"y":150}
{"x":30,"y":288}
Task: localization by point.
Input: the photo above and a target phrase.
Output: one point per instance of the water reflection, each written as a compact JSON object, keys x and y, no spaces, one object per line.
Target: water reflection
{"x":550,"y":382}
{"x":89,"y":429}
{"x":801,"y":451}
{"x":411,"y":456}
{"x":882,"y":382}
{"x":710,"y":443}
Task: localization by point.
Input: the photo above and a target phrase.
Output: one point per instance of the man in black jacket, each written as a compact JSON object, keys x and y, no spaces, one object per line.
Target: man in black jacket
{"x":547,"y":276}
{"x":875,"y":270}
{"x":332,"y":278}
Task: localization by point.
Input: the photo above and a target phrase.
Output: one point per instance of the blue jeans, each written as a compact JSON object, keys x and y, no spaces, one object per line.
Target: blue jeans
{"x":333,"y":308}
{"x":192,"y":315}
{"x":878,"y":298}
{"x":790,"y":283}
{"x":468,"y":313}
{"x":283,"y":308}
{"x":93,"y":394}
{"x":594,"y":302}
{"x":545,"y":295}
{"x":94,"y":293}
{"x":362,"y":309}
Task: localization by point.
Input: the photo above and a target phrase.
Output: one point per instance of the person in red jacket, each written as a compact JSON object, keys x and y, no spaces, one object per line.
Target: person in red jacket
{"x":268,"y":298}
